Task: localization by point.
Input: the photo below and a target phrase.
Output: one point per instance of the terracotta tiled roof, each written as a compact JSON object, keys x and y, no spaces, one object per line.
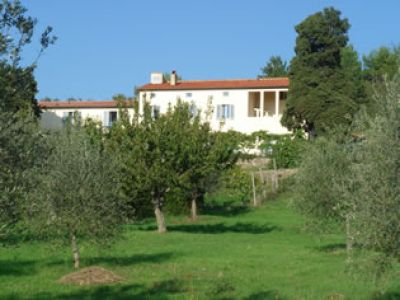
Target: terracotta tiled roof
{"x":77,"y":104}
{"x":219,"y":84}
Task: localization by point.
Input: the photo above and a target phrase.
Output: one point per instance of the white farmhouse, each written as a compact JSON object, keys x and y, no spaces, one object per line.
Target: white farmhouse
{"x":56,"y":113}
{"x":245,"y":105}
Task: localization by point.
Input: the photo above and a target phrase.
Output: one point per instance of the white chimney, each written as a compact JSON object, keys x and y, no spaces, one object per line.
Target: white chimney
{"x":156,"y":78}
{"x":173,"y":78}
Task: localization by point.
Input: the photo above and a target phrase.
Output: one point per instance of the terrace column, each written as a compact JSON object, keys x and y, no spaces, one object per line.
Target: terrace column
{"x":276,"y":103}
{"x":261,"y":104}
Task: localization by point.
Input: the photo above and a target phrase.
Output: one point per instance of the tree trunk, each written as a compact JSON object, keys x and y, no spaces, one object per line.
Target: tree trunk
{"x":194,"y":209}
{"x":75,"y":251}
{"x":349,"y":238}
{"x":162,"y":228}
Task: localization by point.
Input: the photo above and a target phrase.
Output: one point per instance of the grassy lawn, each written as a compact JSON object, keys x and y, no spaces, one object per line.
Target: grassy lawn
{"x":230,"y":253}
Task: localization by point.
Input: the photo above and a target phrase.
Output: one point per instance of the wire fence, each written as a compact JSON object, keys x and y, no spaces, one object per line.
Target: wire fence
{"x":266,"y":181}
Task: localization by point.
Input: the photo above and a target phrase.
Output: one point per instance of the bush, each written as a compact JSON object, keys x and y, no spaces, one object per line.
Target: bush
{"x":237,"y":181}
{"x":320,"y":180}
{"x":286,"y":150}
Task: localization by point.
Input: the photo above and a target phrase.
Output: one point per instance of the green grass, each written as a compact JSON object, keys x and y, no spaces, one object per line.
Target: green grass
{"x":232,"y":252}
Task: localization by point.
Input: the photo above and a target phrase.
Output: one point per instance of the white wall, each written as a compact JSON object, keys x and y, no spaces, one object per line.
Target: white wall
{"x":238,"y":97}
{"x":52,"y":117}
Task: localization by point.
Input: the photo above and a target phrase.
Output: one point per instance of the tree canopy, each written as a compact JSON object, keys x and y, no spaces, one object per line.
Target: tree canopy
{"x":21,"y":143}
{"x":275,"y":67}
{"x":77,"y":194}
{"x":382,"y":62}
{"x":320,"y":93}
{"x":17,"y":83}
{"x":352,"y":179}
{"x":168,"y":161}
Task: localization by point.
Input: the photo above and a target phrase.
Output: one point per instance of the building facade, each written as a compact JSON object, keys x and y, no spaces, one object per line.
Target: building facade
{"x":55,"y":114}
{"x":243,"y":105}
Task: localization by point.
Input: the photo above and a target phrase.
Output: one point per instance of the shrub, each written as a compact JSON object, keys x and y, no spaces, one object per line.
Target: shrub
{"x":286,"y":150}
{"x":237,"y":181}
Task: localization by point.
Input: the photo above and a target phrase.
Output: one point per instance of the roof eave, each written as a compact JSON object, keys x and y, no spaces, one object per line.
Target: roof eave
{"x":212,"y":88}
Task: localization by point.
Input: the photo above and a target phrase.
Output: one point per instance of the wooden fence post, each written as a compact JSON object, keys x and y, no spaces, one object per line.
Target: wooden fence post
{"x":254,"y":189}
{"x":275,"y":177}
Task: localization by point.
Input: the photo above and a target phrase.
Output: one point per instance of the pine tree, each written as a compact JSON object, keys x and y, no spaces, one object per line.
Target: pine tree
{"x":275,"y":67}
{"x":320,"y":95}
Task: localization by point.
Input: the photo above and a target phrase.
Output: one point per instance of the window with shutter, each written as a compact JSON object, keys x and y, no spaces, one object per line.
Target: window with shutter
{"x":112,"y":118}
{"x":225,"y":111}
{"x":219,"y":109}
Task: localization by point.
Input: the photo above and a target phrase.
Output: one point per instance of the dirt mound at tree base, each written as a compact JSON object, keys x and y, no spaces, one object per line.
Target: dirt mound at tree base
{"x":90,"y":276}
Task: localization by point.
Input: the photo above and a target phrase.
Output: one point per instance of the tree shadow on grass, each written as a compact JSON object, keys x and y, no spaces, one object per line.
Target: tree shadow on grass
{"x":219,"y":228}
{"x":159,"y":290}
{"x":128,"y":260}
{"x":389,"y":295}
{"x":332,"y":247}
{"x":222,"y":228}
{"x":264,"y":295}
{"x":17,"y":267}
{"x":225,"y":209}
{"x":17,"y":237}
{"x":222,"y":290}
{"x":120,"y":260}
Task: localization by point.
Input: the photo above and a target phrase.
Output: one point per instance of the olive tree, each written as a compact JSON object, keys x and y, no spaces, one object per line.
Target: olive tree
{"x":77,"y":193}
{"x":21,"y":143}
{"x":353,"y":179}
{"x":22,"y":147}
{"x":324,"y":182}
{"x":377,"y":174}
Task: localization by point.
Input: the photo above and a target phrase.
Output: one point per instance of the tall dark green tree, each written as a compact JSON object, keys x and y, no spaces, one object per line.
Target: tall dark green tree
{"x":275,"y":67}
{"x":320,"y":95}
{"x":18,"y":89}
{"x":354,"y":86}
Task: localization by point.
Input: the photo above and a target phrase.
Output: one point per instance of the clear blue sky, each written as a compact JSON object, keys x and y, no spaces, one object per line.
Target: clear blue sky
{"x":106,"y":47}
